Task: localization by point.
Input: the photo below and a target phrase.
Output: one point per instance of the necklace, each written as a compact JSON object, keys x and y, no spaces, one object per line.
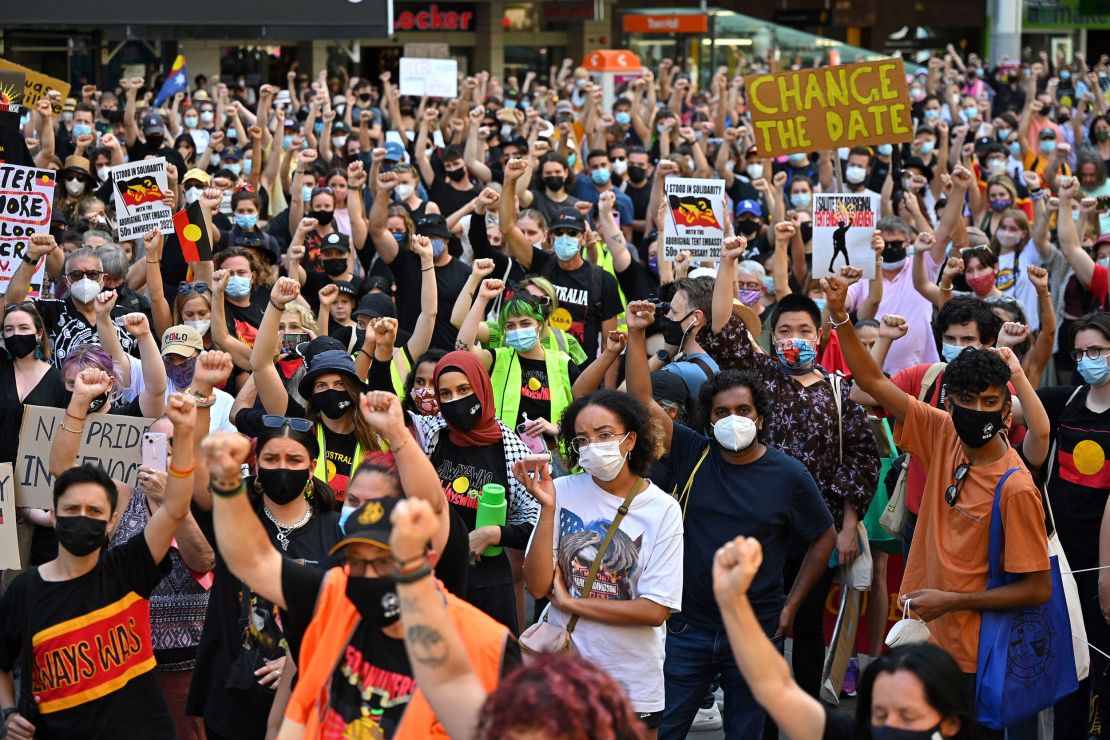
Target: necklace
{"x":283,"y":531}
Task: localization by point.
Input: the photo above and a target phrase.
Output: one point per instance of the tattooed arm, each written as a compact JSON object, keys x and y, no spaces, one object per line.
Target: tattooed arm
{"x":439,"y":661}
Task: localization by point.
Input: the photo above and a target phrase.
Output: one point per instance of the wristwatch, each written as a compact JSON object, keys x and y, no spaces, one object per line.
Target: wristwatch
{"x":663,"y":355}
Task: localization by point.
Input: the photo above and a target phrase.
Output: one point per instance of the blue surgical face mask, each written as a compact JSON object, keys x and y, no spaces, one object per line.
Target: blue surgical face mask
{"x":523,"y":339}
{"x":1015,"y":148}
{"x":820,"y":303}
{"x":1048,"y":146}
{"x":232,"y":134}
{"x":1003,"y":134}
{"x":235,"y":167}
{"x":400,"y":237}
{"x":951,"y":351}
{"x":287,"y":141}
{"x":601,"y":176}
{"x":769,"y":284}
{"x":798,"y":160}
{"x":970,"y":112}
{"x":801,"y":200}
{"x":246,"y":220}
{"x":318,"y":128}
{"x":1095,"y":372}
{"x":566,"y":246}
{"x":81,"y":129}
{"x":885,"y":150}
{"x":510,"y":104}
{"x":344,"y":513}
{"x":191,"y":121}
{"x":927,"y":147}
{"x":623,"y":118}
{"x":238,"y":286}
{"x":796,"y":354}
{"x":439,"y":246}
{"x":306,"y":193}
{"x":247,"y":166}
{"x":571,"y":159}
{"x":932,"y":114}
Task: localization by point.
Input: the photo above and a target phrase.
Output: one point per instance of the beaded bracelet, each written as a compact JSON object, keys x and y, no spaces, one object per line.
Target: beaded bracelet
{"x":227,"y":493}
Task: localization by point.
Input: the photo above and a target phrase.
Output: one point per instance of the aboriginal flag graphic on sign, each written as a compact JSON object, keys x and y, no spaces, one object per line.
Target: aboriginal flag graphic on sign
{"x":693,"y":211}
{"x":188,"y":224}
{"x":139,"y":190}
{"x":1082,"y":455}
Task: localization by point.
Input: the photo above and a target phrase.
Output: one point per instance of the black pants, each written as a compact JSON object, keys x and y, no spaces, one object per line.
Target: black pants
{"x":1072,"y":715}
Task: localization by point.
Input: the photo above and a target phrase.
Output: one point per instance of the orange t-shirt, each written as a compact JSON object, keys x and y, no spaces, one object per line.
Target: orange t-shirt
{"x":950,"y":544}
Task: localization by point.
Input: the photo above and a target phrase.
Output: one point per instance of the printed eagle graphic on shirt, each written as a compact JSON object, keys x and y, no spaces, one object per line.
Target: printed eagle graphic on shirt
{"x":578,"y":545}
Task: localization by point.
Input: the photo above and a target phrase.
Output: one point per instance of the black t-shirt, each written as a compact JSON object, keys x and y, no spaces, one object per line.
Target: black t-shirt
{"x":68,"y":328}
{"x":230,"y":606}
{"x":773,"y":499}
{"x":243,"y":321}
{"x":638,"y":282}
{"x":641,"y":197}
{"x":463,"y":470}
{"x":1080,"y":481}
{"x":450,"y":280}
{"x":588,"y":294}
{"x":535,"y":392}
{"x":50,"y":391}
{"x":444,"y":194}
{"x":840,"y":724}
{"x":93,"y":652}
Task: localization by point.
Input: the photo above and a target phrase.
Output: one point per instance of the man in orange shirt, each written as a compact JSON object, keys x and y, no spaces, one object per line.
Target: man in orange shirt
{"x":965,"y":453}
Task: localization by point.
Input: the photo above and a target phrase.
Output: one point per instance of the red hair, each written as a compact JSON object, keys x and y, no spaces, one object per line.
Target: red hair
{"x":561,"y":696}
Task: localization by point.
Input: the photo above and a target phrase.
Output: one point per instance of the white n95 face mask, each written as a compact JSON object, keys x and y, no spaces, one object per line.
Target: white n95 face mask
{"x":907,"y":630}
{"x":734,"y":432}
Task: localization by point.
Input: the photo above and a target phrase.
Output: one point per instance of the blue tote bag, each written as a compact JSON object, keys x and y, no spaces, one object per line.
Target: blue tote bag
{"x":1026,"y":662}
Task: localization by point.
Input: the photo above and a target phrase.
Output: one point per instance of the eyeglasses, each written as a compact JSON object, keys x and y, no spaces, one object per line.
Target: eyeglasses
{"x":75,"y":275}
{"x":382,"y":567}
{"x":197,"y":287}
{"x":1091,"y":353}
{"x":21,"y":306}
{"x":579,"y":442}
{"x":297,"y":424}
{"x":952,"y":493}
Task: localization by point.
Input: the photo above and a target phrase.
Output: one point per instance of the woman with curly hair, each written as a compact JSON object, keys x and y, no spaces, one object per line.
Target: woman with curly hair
{"x":618,"y":624}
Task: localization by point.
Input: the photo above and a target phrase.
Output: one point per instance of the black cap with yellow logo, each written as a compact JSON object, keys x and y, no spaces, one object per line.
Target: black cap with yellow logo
{"x":369,"y":524}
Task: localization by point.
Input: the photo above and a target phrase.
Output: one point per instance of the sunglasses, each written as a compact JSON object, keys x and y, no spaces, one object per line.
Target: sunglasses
{"x":981,"y":249}
{"x":198,"y":287}
{"x":952,"y":493}
{"x":297,"y":424}
{"x":21,"y":306}
{"x":76,"y":275}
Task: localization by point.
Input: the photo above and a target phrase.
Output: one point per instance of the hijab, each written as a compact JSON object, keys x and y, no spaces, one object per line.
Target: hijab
{"x":487,"y":431}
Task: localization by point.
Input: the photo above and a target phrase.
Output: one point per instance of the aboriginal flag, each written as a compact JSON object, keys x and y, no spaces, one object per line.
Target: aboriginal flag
{"x":693,"y":211}
{"x":1082,"y":454}
{"x":188,"y":224}
{"x":139,"y":190}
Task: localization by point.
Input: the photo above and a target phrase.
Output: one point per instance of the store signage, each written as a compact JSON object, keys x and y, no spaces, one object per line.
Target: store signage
{"x":666,"y":23}
{"x":434,"y":17}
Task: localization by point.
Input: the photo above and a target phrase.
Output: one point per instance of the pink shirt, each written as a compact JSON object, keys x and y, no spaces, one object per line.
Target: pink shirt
{"x":901,"y":299}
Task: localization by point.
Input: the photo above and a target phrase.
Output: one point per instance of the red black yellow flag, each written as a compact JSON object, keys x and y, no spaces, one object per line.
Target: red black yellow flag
{"x":1082,"y":454}
{"x":139,"y":190}
{"x":188,"y":224}
{"x":693,"y":211}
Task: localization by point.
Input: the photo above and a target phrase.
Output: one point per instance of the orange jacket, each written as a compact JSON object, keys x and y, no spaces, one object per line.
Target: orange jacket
{"x":330,"y":631}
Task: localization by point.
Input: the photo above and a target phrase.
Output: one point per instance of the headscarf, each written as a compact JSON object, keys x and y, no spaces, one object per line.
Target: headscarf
{"x":487,"y":431}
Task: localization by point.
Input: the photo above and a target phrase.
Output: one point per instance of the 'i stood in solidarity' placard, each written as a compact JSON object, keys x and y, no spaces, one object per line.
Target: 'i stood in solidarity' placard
{"x":842,"y":229}
{"x":140,"y":188}
{"x":698,"y":210}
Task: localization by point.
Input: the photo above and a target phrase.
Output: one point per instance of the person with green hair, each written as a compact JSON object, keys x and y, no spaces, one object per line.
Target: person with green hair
{"x":533,"y":382}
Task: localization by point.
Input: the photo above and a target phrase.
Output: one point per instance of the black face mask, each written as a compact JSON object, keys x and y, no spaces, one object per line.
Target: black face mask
{"x":673,"y":333}
{"x":554,"y":184}
{"x":332,"y":403}
{"x":364,"y":97}
{"x":155,"y":141}
{"x":975,"y":428}
{"x":334,"y":267}
{"x":637,"y":173}
{"x":462,"y":413}
{"x":894,"y":251}
{"x":375,"y":598}
{"x":748,"y":228}
{"x":456,"y":175}
{"x":112,"y":116}
{"x":807,"y":231}
{"x":893,"y":733}
{"x":81,"y":535}
{"x":21,"y":345}
{"x":98,"y":403}
{"x":282,"y":485}
{"x":322,"y":217}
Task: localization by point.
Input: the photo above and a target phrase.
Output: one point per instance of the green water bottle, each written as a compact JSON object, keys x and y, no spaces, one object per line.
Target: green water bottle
{"x":491,"y":510}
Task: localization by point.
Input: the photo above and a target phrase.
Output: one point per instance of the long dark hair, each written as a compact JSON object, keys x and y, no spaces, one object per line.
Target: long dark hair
{"x":945,"y":685}
{"x":321,"y":497}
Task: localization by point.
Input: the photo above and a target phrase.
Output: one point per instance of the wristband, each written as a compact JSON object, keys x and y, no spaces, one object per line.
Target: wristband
{"x":835,"y":324}
{"x":401,"y":564}
{"x":281,"y":309}
{"x":419,"y":575}
{"x":227,"y":493}
{"x":181,"y":473}
{"x":76,"y":418}
{"x":425,"y":269}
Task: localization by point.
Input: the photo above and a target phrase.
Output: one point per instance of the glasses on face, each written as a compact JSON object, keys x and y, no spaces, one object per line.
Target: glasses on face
{"x":75,"y":275}
{"x":1091,"y":353}
{"x":581,"y":440}
{"x":381,"y":567}
{"x":198,"y":287}
{"x":273,"y":421}
{"x":952,"y":493}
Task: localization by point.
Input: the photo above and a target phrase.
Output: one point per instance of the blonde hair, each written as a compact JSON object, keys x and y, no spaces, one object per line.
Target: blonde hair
{"x":304,"y":314}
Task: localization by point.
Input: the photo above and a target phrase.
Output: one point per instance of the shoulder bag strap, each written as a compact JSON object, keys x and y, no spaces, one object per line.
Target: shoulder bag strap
{"x":994,"y":547}
{"x":589,"y":584}
{"x":684,"y":499}
{"x":703,"y":365}
{"x":26,"y":703}
{"x":834,"y":381}
{"x":1052,"y":456}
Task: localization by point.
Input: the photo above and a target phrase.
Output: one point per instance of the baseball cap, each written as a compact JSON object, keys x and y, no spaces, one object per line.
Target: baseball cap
{"x":197,"y":174}
{"x":433,"y":224}
{"x":231,"y":152}
{"x":369,"y":524}
{"x":375,"y":306}
{"x":394,"y":151}
{"x":670,"y":387}
{"x":568,"y":219}
{"x":291,"y":123}
{"x":564,"y":106}
{"x":340,"y":126}
{"x":346,"y":288}
{"x":702,"y":272}
{"x":335,"y":240}
{"x":1047,"y":133}
{"x":152,"y":123}
{"x":70,"y":105}
{"x":749,"y":206}
{"x":181,"y":340}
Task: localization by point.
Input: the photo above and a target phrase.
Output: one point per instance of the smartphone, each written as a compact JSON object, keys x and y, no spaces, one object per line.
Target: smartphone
{"x":154,"y":451}
{"x":289,"y":342}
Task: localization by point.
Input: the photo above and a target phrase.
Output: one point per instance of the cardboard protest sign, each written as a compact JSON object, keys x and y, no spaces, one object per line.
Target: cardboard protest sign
{"x":697,"y":209}
{"x":829,"y":107}
{"x":26,"y":199}
{"x":139,"y":188}
{"x":9,"y":539}
{"x":842,"y":229}
{"x":36,"y":85}
{"x":436,"y":78}
{"x":111,"y":441}
{"x":11,"y":91}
